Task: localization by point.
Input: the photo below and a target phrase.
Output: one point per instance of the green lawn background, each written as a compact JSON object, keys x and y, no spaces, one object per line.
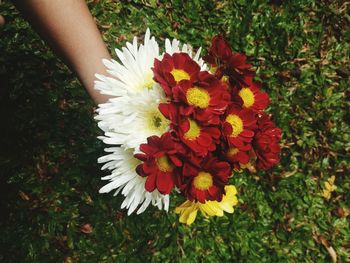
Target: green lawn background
{"x":50,"y":209}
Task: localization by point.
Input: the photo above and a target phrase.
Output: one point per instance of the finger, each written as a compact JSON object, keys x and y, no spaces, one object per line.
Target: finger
{"x":2,"y":20}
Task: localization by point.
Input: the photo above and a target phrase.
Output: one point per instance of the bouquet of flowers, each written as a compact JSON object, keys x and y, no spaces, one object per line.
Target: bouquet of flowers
{"x":182,"y":124}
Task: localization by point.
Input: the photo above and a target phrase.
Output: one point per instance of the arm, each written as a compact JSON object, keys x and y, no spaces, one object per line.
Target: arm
{"x":70,"y":29}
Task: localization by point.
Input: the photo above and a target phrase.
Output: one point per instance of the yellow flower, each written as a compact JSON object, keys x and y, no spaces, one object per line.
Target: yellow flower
{"x":329,"y":187}
{"x":188,"y":209}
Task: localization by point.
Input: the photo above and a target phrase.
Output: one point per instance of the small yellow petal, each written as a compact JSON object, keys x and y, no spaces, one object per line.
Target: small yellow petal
{"x":188,"y":212}
{"x":215,"y":206}
{"x":326,"y":194}
{"x":230,"y":190}
{"x":208,"y":209}
{"x":185,"y":214}
{"x":235,"y":201}
{"x":226,"y":207}
{"x":230,"y":196}
{"x":331,"y":179}
{"x":191,"y":217}
{"x":327,"y":186}
{"x":183,"y":206}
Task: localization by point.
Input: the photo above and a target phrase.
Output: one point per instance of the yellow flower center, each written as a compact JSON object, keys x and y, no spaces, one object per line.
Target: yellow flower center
{"x":213,"y":69}
{"x":193,"y":132}
{"x":236,"y":123}
{"x":198,"y":97}
{"x":225,"y":78}
{"x":203,"y":181}
{"x":179,"y":75}
{"x":232,"y":151}
{"x":163,"y":164}
{"x":157,"y":122}
{"x":148,"y":83}
{"x":247,"y":96}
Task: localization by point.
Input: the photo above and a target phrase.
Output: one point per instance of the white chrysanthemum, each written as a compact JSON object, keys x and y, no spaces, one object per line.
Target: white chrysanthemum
{"x":132,"y":115}
{"x":134,"y":73}
{"x":125,"y":179}
{"x":130,"y":120}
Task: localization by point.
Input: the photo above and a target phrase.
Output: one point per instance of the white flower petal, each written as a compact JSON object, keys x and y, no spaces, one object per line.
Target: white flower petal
{"x":124,"y":179}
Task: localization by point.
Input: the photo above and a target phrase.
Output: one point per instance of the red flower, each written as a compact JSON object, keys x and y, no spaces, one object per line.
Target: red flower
{"x":174,"y":69}
{"x":206,"y":99}
{"x":159,"y":163}
{"x":227,"y":63}
{"x":252,"y":97}
{"x":265,"y":143}
{"x":205,"y":182}
{"x":238,"y":126}
{"x":220,"y":50}
{"x":239,"y":72}
{"x":200,"y":139}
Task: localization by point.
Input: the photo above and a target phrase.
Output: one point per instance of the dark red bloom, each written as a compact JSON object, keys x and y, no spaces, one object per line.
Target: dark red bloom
{"x":199,"y":138}
{"x":252,"y":97}
{"x":160,"y":163}
{"x":207,"y":181}
{"x":239,"y":72}
{"x":174,"y":69}
{"x":239,"y":126}
{"x":265,"y":143}
{"x":206,"y":99}
{"x":220,"y":50}
{"x":226,"y":63}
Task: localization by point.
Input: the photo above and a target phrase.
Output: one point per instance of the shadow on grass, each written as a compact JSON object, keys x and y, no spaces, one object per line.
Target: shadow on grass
{"x":44,"y":111}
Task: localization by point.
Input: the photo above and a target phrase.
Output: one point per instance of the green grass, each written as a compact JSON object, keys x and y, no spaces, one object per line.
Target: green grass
{"x":49,"y":178}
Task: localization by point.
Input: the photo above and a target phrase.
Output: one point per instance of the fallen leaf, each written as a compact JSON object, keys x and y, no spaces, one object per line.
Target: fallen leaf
{"x":86,"y":229}
{"x":24,"y":196}
{"x":321,"y":240}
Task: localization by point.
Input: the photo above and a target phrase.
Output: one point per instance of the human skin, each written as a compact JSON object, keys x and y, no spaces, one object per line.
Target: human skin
{"x":68,"y":26}
{"x":2,"y":20}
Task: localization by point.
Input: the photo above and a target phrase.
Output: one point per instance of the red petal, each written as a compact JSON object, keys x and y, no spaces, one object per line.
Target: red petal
{"x":213,"y":191}
{"x":141,"y":156}
{"x":200,"y":195}
{"x":242,"y":157}
{"x":247,"y":133}
{"x":139,"y":170}
{"x":165,"y":183}
{"x":150,"y":184}
{"x":189,"y":170}
{"x":164,"y":109}
{"x":176,"y":161}
{"x":204,"y":140}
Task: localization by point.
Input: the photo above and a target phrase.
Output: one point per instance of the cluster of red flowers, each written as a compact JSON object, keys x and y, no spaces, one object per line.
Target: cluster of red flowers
{"x":217,"y":125}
